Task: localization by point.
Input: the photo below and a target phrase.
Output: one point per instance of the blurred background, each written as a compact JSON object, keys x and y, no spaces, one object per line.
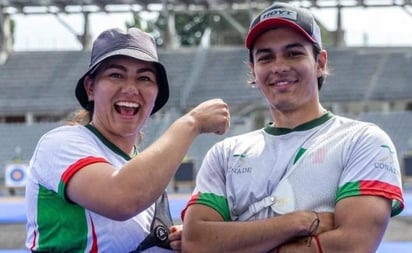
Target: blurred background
{"x":45,"y":47}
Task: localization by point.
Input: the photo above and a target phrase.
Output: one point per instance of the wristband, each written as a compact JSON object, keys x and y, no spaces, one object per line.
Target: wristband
{"x":312,"y":229}
{"x":315,"y":225}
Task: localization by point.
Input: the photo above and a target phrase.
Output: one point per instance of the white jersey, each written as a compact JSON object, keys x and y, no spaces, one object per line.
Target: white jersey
{"x":54,"y":223}
{"x":272,"y":171}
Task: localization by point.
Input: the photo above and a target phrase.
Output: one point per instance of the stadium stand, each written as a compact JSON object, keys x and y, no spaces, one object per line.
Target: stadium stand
{"x":371,"y":84}
{"x":45,"y":86}
{"x":394,"y":81}
{"x":45,"y":83}
{"x":350,"y":76}
{"x":375,"y":74}
{"x":397,"y":124}
{"x":21,"y":137}
{"x":179,"y":65}
{"x":41,"y":82}
{"x":18,"y":143}
{"x":224,"y":77}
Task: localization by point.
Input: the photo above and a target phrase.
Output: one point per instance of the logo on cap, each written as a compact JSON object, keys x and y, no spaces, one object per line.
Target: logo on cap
{"x":280,"y":13}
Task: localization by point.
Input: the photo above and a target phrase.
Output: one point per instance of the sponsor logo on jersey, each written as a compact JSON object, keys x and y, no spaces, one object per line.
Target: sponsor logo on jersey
{"x":240,"y":170}
{"x":388,"y":148}
{"x":386,"y":162}
{"x":245,"y":170}
{"x":241,"y":156}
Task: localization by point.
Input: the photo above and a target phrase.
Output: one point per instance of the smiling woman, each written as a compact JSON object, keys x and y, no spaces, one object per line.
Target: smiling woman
{"x":97,"y":192}
{"x":131,"y":87}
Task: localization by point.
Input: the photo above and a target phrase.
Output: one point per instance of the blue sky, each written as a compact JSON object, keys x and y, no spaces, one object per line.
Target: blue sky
{"x":385,"y":26}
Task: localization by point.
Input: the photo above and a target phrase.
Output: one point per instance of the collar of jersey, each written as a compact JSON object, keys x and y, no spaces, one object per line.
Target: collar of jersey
{"x":109,"y":144}
{"x":270,"y":129}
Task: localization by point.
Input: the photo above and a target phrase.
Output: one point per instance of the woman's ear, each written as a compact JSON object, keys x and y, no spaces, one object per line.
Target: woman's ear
{"x":88,"y":86}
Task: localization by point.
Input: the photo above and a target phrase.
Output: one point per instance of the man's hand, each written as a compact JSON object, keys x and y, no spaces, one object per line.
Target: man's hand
{"x":175,"y":237}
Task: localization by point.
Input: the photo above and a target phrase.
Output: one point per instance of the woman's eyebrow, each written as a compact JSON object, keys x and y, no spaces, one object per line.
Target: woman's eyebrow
{"x":146,"y":69}
{"x":114,"y":66}
{"x":123,"y":68}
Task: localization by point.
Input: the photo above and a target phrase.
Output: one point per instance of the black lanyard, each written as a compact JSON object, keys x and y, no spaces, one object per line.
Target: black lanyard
{"x":159,"y":229}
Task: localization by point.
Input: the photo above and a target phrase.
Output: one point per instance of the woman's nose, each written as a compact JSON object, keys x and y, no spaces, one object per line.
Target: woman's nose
{"x":131,"y":88}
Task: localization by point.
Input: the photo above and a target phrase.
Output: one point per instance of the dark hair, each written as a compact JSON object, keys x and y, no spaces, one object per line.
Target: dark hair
{"x":316,"y":52}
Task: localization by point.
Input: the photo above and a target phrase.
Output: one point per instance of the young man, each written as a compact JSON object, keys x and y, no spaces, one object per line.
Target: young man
{"x":306,"y":159}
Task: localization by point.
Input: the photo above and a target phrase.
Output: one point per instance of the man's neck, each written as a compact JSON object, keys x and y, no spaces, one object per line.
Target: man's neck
{"x":293,"y":118}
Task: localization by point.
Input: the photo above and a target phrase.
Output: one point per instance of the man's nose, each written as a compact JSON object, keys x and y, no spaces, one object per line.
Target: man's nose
{"x":280,"y":65}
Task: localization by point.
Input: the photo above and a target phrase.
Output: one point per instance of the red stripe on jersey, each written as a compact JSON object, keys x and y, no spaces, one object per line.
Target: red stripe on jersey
{"x":75,"y":167}
{"x":192,"y":201}
{"x":371,"y":187}
{"x":34,"y":240}
{"x":94,"y":248}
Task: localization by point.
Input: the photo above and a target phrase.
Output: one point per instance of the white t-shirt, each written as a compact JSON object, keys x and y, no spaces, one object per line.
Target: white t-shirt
{"x":56,"y":224}
{"x":272,"y":171}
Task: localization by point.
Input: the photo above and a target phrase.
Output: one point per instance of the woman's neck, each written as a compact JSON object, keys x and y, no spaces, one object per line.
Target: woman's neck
{"x":124,"y":143}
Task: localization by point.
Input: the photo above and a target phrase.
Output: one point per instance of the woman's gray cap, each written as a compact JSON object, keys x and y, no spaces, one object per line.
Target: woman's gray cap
{"x":135,"y":44}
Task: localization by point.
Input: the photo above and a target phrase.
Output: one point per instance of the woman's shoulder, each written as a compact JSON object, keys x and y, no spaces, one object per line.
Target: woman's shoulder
{"x":66,"y":132}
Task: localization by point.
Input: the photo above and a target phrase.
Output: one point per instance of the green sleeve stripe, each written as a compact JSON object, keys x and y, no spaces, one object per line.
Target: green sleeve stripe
{"x":218,"y":203}
{"x":348,"y":190}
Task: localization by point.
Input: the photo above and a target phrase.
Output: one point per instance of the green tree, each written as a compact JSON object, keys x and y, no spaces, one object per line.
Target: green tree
{"x":227,"y":28}
{"x":191,"y":26}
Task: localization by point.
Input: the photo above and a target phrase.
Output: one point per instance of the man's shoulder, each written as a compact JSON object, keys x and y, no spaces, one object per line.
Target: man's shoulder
{"x":247,"y":136}
{"x":346,"y":121}
{"x":247,"y":139}
{"x":355,"y":127}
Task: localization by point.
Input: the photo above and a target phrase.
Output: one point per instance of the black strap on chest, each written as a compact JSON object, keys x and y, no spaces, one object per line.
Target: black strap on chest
{"x":159,"y":229}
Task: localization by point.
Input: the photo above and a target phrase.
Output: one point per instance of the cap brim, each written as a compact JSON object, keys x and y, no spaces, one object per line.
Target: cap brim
{"x":81,"y":94}
{"x":273,"y":23}
{"x":163,"y":84}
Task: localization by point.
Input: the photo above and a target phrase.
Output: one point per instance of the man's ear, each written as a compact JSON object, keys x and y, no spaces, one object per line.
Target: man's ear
{"x":252,"y":73}
{"x":322,"y":61}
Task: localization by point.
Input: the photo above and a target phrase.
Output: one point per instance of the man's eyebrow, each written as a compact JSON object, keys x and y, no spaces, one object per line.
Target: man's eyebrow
{"x":293,"y":45}
{"x":263,"y":50}
{"x":289,"y":46}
